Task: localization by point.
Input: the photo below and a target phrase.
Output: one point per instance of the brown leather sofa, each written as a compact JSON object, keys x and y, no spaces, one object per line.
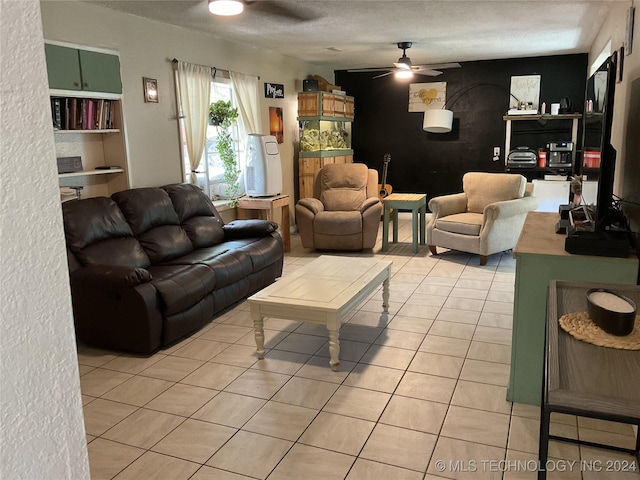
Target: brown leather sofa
{"x":149,"y":266}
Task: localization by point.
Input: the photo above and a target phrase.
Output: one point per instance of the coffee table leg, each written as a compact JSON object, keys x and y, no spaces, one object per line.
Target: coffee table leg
{"x":385,"y":296}
{"x":334,"y":349}
{"x":258,"y":326}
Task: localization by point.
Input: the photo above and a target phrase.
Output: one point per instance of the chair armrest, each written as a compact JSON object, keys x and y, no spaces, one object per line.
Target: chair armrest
{"x":370,"y":203}
{"x":108,"y":276}
{"x":248,"y":229}
{"x":448,"y":205}
{"x":312,"y":204}
{"x":510,"y":208}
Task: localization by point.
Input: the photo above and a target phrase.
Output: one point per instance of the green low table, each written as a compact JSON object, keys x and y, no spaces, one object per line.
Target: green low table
{"x":417,"y":204}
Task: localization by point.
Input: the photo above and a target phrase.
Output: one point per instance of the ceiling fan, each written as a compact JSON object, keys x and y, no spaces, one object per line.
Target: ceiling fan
{"x":403,"y":68}
{"x":274,"y":8}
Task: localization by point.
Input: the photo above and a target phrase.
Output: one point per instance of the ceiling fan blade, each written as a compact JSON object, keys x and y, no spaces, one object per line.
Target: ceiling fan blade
{"x":275,"y":8}
{"x":440,"y":66}
{"x":382,"y":75}
{"x":403,"y":66}
{"x":373,"y":69}
{"x":428,"y":72}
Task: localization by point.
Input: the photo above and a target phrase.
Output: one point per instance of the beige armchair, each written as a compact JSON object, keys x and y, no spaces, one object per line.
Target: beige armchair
{"x":344,"y":212}
{"x":485,"y":219}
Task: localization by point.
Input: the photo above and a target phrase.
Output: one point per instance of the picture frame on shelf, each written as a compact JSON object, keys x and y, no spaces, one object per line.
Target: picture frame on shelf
{"x":150,"y":90}
{"x":525,"y":92}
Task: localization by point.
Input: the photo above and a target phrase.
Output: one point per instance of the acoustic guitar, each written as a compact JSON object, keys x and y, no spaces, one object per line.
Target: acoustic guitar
{"x":384,"y":189}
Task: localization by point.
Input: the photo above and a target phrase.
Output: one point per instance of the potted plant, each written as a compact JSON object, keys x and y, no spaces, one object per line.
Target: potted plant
{"x":222,"y":115}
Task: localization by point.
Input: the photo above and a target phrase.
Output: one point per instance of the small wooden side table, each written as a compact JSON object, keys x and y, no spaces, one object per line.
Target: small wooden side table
{"x":587,"y":380}
{"x":417,"y":203}
{"x":268,"y":204}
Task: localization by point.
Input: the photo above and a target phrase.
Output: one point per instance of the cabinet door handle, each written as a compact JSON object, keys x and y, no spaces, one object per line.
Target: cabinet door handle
{"x":76,"y":84}
{"x":86,"y":84}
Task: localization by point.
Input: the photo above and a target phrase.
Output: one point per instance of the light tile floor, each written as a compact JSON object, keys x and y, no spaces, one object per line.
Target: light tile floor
{"x":420,"y":393}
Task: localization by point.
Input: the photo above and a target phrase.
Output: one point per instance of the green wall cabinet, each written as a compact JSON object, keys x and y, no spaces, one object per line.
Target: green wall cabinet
{"x":75,"y":69}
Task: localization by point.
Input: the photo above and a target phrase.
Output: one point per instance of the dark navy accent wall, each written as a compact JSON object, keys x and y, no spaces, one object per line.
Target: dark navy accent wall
{"x":435,"y":163}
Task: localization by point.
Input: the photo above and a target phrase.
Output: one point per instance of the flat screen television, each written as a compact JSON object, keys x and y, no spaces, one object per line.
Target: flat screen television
{"x":596,"y":137}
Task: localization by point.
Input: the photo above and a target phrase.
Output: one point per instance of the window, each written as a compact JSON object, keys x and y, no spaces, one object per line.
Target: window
{"x":210,"y":171}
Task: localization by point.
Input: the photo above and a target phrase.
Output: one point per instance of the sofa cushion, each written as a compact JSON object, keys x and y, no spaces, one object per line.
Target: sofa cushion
{"x":181,"y":286}
{"x":197,"y":215}
{"x":203,"y":231}
{"x":165,"y":243}
{"x":338,"y":223}
{"x":228,"y":263}
{"x":462,"y":223}
{"x":121,"y":252}
{"x":262,"y":252}
{"x":343,"y":186}
{"x":97,"y":233}
{"x":155,"y":223}
{"x":483,"y":188}
{"x":189,"y":201}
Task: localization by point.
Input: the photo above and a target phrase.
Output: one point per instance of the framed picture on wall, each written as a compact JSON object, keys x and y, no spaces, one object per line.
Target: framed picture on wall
{"x":424,"y":96}
{"x":276,"y":124}
{"x":150,"y":90}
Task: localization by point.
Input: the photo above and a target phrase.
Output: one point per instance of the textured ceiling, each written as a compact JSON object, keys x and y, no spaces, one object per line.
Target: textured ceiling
{"x":350,"y":34}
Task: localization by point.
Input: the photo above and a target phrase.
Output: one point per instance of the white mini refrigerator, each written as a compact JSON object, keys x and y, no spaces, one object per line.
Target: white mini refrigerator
{"x":263,"y":176}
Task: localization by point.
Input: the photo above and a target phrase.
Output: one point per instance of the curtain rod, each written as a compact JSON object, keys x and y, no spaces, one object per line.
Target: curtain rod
{"x":215,"y":69}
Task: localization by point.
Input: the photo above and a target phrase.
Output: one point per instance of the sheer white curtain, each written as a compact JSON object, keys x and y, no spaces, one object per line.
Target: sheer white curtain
{"x":194,"y":94}
{"x":245,"y":89}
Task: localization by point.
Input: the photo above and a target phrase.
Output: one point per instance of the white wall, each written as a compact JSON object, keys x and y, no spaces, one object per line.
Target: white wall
{"x":41,"y":430}
{"x":145,"y":47}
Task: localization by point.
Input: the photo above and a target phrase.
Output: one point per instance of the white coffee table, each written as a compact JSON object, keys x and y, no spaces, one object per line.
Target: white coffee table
{"x":324,"y":291}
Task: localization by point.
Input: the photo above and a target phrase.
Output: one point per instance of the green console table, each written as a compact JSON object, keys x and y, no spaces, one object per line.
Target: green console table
{"x":540,"y":258}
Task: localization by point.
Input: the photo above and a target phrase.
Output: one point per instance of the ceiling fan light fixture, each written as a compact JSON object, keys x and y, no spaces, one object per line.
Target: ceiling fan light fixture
{"x":226,"y":8}
{"x":437,"y":120}
{"x":403,"y":74}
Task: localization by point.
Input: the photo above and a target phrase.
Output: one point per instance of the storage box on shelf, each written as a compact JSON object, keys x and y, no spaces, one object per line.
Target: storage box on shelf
{"x":88,"y":123}
{"x":325,"y":134}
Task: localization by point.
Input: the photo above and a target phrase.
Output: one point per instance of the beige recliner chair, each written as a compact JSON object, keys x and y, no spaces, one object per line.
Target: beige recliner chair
{"x":485,"y":219}
{"x":344,"y":213}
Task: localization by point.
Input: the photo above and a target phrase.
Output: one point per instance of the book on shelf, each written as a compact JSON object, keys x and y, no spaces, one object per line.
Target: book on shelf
{"x":56,"y":113}
{"x":70,"y":113}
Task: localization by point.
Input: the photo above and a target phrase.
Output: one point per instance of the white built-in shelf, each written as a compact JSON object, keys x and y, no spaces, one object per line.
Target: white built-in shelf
{"x":86,"y":173}
{"x":109,"y":130}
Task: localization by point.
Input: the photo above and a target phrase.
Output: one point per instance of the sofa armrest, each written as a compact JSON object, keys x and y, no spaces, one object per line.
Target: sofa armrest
{"x":448,"y":205}
{"x":108,"y":276}
{"x":370,"y":202}
{"x":248,"y":228}
{"x":312,"y":204}
{"x":510,"y":208}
